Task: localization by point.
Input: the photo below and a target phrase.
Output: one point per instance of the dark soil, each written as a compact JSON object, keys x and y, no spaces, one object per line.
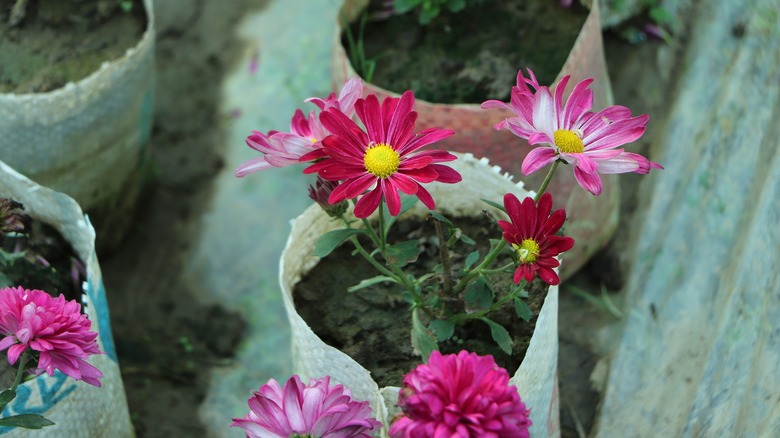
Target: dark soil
{"x":473,"y":55}
{"x":48,"y":263}
{"x":56,"y":42}
{"x":373,"y":325}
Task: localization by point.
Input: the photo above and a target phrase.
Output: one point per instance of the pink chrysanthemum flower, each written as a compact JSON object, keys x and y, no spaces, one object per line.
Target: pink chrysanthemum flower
{"x":531,"y":233}
{"x":573,"y":133}
{"x":53,"y":329}
{"x":383,"y":159}
{"x":282,"y":149}
{"x":460,"y":396}
{"x":317,"y":410}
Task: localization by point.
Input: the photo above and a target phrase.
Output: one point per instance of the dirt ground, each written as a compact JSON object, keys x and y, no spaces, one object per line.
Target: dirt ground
{"x":167,"y":341}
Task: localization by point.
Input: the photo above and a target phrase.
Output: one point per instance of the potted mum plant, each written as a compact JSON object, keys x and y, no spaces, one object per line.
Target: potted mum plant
{"x":462,"y":298}
{"x":61,"y":348}
{"x":76,"y":105}
{"x":477,"y":59}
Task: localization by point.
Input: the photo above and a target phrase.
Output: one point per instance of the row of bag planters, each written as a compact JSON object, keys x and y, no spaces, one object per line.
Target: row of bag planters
{"x":89,"y":140}
{"x":82,"y":147}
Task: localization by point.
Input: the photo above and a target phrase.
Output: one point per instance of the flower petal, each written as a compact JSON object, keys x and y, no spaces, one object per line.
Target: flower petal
{"x":588,"y":181}
{"x":368,"y":203}
{"x":537,"y":159}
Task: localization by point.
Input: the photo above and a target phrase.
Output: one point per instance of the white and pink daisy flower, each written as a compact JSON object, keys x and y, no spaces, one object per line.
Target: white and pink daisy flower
{"x":280,"y":149}
{"x":572,"y":132}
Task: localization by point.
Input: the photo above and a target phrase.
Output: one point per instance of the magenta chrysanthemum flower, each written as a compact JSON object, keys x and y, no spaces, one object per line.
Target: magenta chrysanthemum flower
{"x":317,"y":410}
{"x":531,"y":233}
{"x":53,"y":329}
{"x":573,"y":133}
{"x":381,"y":160}
{"x":282,"y":149}
{"x":463,"y":395}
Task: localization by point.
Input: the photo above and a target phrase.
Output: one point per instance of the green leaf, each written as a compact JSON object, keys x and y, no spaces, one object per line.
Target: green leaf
{"x":428,"y":13}
{"x":332,"y":239}
{"x":368,"y":70}
{"x":478,"y":296}
{"x":404,"y":6}
{"x":456,"y":5}
{"x":442,"y":328}
{"x":27,"y":421}
{"x":522,"y":309}
{"x":402,"y":253}
{"x":407,"y":202}
{"x":493,"y":204}
{"x":467,"y":240}
{"x":423,"y":341}
{"x":519,"y":290}
{"x":6,"y":397}
{"x":660,"y":15}
{"x":500,"y":335}
{"x":5,"y":281}
{"x":126,"y":6}
{"x":8,"y":258}
{"x":370,"y":282}
{"x":471,"y":259}
{"x":439,"y":217}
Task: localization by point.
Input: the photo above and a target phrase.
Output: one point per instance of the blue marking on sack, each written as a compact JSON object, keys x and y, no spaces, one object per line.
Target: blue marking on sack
{"x":50,"y":396}
{"x":98,"y":297}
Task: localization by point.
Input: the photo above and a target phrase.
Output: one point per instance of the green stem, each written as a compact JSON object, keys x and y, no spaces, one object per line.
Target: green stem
{"x":381,"y":223}
{"x":365,"y":253}
{"x":396,"y":273}
{"x":22,"y":363}
{"x":444,"y":254}
{"x":499,"y":270}
{"x":546,"y":181}
{"x":487,"y":261}
{"x":372,"y":260}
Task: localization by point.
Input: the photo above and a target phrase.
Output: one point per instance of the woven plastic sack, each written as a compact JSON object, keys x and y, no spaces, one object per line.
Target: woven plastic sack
{"x":78,"y":409}
{"x":592,"y":219}
{"x":89,"y":138}
{"x":313,"y":358}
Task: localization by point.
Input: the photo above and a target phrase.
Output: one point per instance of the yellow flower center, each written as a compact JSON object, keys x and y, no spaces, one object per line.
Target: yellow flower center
{"x":568,"y":141}
{"x":381,"y":160}
{"x":527,"y":251}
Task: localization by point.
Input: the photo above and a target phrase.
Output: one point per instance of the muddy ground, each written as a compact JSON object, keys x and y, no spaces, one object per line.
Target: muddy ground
{"x":167,"y":341}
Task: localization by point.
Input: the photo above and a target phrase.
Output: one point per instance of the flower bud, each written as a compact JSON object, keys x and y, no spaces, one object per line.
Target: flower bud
{"x":12,"y":220}
{"x":320,"y":193}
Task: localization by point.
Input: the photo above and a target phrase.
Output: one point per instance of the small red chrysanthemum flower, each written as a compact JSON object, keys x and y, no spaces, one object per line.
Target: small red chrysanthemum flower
{"x":52,"y":328}
{"x":531,"y":233}
{"x":313,"y":410}
{"x":382,"y":159}
{"x":460,"y":396}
